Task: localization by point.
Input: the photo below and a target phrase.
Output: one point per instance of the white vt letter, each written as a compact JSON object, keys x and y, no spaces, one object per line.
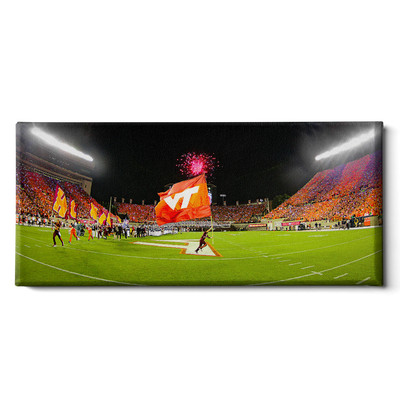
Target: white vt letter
{"x":186,"y":194}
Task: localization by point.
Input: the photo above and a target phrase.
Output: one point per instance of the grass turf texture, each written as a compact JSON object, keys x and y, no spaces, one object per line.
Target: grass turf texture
{"x":345,"y":257}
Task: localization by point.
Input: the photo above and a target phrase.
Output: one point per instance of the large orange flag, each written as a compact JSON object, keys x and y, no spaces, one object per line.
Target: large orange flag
{"x":184,"y":201}
{"x":102,"y":218}
{"x":93,"y":211}
{"x":60,"y":202}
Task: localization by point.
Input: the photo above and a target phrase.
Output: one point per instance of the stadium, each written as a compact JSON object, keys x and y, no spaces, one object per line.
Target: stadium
{"x":326,"y":231}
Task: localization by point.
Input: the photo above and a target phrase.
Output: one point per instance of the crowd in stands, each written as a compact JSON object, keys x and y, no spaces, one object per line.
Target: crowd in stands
{"x":35,"y":194}
{"x":234,"y":214}
{"x":351,"y":189}
{"x":237,"y":214}
{"x":136,"y":212}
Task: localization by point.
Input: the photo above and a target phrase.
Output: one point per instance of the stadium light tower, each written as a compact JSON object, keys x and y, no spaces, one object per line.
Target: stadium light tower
{"x":60,"y":145}
{"x":348,"y":145}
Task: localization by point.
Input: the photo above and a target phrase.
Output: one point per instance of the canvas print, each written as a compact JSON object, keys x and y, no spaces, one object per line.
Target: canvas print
{"x":199,"y":204}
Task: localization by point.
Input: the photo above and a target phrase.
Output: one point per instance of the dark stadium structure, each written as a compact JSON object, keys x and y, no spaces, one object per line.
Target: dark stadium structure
{"x":339,"y":193}
{"x":49,"y":161}
{"x":39,"y":169}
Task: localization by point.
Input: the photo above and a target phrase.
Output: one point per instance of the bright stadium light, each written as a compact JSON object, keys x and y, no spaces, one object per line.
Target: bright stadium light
{"x":348,"y":145}
{"x":56,"y":143}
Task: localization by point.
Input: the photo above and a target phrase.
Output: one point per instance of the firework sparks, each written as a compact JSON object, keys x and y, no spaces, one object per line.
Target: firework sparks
{"x":192,"y":164}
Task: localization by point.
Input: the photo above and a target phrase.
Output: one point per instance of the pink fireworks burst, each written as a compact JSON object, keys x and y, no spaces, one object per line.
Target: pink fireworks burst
{"x":193,"y":164}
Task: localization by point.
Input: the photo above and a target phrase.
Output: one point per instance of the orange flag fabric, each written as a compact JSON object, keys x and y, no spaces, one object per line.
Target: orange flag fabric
{"x":93,"y":211}
{"x":185,"y":201}
{"x":60,"y":202}
{"x":72,"y":209}
{"x":102,"y":218}
{"x":108,"y":220}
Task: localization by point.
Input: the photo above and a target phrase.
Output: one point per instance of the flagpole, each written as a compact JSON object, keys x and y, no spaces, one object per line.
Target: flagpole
{"x":212,"y":229}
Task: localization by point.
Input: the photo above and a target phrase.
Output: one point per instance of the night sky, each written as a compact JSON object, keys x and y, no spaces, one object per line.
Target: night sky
{"x":256,"y":160}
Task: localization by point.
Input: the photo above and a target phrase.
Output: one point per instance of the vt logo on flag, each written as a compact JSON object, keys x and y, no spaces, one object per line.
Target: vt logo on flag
{"x":60,"y":202}
{"x":184,"y":201}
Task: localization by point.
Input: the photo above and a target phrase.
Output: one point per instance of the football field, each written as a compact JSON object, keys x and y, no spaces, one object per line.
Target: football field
{"x":331,"y":257}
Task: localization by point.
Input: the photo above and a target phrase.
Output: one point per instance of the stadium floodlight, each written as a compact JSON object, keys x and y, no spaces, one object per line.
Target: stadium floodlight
{"x":60,"y":145}
{"x":347,"y":146}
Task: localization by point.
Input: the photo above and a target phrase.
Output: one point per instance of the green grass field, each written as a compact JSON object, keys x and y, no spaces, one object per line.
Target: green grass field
{"x":351,"y":257}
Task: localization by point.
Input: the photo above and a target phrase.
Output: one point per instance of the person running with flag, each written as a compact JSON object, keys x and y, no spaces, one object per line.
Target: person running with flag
{"x":203,"y":242}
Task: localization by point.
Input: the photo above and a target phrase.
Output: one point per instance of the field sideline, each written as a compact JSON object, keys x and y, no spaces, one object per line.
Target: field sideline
{"x":345,"y":257}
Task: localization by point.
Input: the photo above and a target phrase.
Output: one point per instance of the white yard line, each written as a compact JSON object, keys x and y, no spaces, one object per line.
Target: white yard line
{"x":359,"y":259}
{"x":319,"y":248}
{"x":364,"y":280}
{"x":76,"y":273}
{"x":174,"y":246}
{"x":272,"y":257}
{"x":70,"y":247}
{"x":341,"y":276}
{"x":320,"y":272}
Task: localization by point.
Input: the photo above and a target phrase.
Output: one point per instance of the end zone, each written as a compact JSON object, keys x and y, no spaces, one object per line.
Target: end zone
{"x":187,"y":247}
